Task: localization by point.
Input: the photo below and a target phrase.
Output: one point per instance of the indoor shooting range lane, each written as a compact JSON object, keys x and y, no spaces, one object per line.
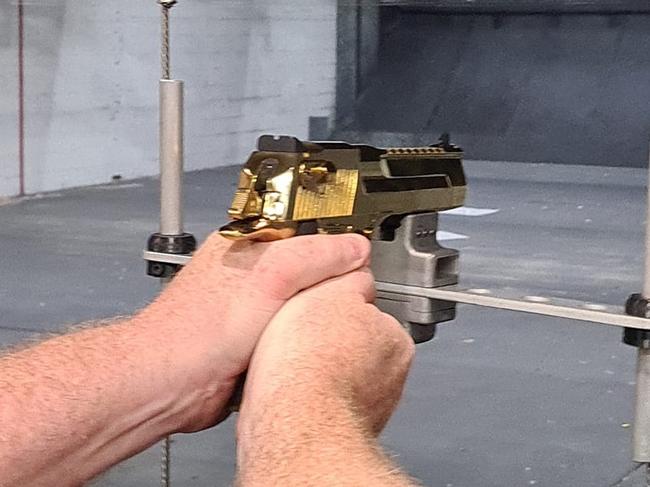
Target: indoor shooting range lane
{"x":571,"y":232}
{"x":561,"y":88}
{"x":498,"y":399}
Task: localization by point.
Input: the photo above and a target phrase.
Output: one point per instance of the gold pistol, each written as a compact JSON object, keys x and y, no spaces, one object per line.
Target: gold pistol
{"x":291,"y":187}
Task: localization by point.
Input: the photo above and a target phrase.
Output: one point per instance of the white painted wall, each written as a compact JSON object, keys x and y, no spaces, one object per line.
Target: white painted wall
{"x":8,"y":99}
{"x":250,"y":67}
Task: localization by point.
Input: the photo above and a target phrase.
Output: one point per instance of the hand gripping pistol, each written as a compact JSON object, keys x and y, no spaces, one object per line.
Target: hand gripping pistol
{"x":392,"y":196}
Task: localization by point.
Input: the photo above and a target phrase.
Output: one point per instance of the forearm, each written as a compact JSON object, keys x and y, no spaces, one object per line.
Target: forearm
{"x":312,"y":439}
{"x":73,"y":406}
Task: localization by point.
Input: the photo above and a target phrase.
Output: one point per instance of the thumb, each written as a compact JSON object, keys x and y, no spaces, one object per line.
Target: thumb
{"x":302,"y":262}
{"x":360,"y":283}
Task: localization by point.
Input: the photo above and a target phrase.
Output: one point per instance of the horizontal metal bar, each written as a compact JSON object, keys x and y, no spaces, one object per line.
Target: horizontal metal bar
{"x":596,"y":313}
{"x":166,"y":258}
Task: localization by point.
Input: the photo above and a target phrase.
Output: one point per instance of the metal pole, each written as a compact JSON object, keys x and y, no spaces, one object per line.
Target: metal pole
{"x":171,"y":195}
{"x":171,"y":170}
{"x":646,"y":275}
{"x":641,"y":434}
{"x":171,"y":156}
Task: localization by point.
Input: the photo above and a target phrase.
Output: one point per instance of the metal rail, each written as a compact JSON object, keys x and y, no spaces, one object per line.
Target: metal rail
{"x":572,"y":310}
{"x":581,"y":311}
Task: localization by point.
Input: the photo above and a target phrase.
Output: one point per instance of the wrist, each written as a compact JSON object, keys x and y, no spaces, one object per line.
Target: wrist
{"x":306,"y":437}
{"x":190,"y":368}
{"x":296,"y":428}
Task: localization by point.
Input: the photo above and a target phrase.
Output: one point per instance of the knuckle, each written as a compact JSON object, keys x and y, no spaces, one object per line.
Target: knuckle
{"x":409,"y":348}
{"x":366,"y":311}
{"x":215,"y":238}
{"x":273,"y":274}
{"x":333,"y":249}
{"x":391,"y":322}
{"x":368,"y":281}
{"x":212,"y":245}
{"x":276,"y":274}
{"x":400,"y":335}
{"x":292,"y":250}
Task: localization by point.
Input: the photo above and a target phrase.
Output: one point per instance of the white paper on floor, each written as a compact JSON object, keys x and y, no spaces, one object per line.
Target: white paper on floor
{"x":469,"y":211}
{"x":442,"y":235}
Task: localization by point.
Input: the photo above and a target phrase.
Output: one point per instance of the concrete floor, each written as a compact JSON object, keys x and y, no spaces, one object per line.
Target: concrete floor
{"x":498,"y":399}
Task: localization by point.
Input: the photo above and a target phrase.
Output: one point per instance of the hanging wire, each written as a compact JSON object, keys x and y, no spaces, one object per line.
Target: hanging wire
{"x":165,"y":462}
{"x":166,"y":6}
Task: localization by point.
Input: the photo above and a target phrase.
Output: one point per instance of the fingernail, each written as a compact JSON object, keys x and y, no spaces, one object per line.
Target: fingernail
{"x":360,"y":247}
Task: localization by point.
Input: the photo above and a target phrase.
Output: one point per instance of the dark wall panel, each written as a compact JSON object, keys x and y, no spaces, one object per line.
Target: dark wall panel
{"x":569,"y":89}
{"x":524,"y":6}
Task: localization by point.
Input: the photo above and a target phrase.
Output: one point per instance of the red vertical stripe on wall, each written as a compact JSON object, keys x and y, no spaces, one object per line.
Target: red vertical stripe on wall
{"x":21,"y":100}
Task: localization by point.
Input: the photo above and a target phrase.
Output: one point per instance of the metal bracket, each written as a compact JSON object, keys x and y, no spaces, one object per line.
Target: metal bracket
{"x":637,"y":305}
{"x":411,"y":255}
{"x":173,"y":245}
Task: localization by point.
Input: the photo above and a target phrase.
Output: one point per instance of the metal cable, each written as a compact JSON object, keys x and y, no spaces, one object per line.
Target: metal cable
{"x":164,"y":43}
{"x":165,"y":462}
{"x":166,"y":5}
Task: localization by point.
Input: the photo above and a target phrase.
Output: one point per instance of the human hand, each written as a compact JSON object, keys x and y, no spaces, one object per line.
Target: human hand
{"x":215,"y":309}
{"x":327,"y":349}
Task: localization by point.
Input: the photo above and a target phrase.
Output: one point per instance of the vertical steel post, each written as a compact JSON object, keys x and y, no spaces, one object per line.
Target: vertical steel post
{"x":641,"y":433}
{"x":171,"y":169}
{"x":171,"y":156}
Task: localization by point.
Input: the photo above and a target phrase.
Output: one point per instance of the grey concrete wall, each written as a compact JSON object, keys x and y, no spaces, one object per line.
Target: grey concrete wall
{"x":91,"y":71}
{"x":347,"y":67}
{"x":8,"y":99}
{"x":567,"y":89}
{"x":369,"y":25}
{"x":358,"y":40}
{"x":523,"y":6}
